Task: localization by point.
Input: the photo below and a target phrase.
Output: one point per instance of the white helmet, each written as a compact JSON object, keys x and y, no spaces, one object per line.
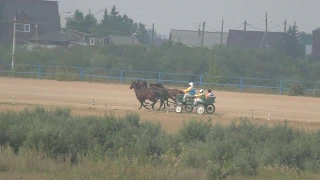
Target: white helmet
{"x":201,"y":90}
{"x":191,"y":83}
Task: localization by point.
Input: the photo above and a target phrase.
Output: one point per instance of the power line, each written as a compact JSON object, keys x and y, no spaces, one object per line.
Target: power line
{"x":255,"y":28}
{"x":256,"y":22}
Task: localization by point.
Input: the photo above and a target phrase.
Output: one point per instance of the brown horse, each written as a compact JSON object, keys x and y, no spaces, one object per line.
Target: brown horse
{"x":164,"y":95}
{"x":172,"y":92}
{"x":145,"y":93}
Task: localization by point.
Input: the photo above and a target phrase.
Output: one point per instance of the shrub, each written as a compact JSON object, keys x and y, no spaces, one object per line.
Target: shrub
{"x":316,"y":93}
{"x":195,"y":130}
{"x":297,"y":90}
{"x":223,"y":151}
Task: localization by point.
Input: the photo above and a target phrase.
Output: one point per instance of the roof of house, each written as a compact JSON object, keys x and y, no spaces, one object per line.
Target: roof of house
{"x":66,"y":36}
{"x":252,"y":39}
{"x":124,"y":40}
{"x":43,"y":13}
{"x":193,"y":38}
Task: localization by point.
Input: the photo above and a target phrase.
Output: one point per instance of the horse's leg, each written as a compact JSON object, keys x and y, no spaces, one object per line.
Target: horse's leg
{"x":161,"y":103}
{"x":164,"y":104}
{"x":153,"y":103}
{"x":168,"y":102}
{"x":143,"y":105}
{"x":156,"y":100}
{"x":146,"y":107}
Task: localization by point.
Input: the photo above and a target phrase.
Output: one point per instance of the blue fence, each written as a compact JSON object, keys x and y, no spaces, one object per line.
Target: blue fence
{"x":202,"y":81}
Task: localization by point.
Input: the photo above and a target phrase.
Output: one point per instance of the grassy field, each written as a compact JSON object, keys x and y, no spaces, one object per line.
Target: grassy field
{"x":53,"y":144}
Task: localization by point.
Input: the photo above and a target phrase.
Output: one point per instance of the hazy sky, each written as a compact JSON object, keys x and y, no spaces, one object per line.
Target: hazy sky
{"x":187,"y":14}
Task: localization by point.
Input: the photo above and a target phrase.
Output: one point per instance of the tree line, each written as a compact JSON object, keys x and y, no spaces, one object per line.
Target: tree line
{"x":176,"y":58}
{"x":111,"y":24}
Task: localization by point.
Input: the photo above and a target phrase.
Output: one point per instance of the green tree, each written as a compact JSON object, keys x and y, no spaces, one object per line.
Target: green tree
{"x":292,"y":45}
{"x":90,"y":23}
{"x":105,"y":21}
{"x":116,"y":24}
{"x":82,"y":23}
{"x":214,"y":73}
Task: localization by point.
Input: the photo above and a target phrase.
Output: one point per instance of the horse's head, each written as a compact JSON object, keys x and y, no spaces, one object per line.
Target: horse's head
{"x":133,"y":85}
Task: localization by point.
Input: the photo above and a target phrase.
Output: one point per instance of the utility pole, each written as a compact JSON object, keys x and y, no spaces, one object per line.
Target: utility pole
{"x":14,"y":42}
{"x":152,"y":34}
{"x":203,"y":26}
{"x":284,"y":35}
{"x":36,"y":33}
{"x":221,"y":32}
{"x":245,"y":25}
{"x":266,"y":36}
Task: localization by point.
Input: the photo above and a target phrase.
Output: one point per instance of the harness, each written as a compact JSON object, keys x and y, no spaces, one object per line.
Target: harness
{"x":140,"y":90}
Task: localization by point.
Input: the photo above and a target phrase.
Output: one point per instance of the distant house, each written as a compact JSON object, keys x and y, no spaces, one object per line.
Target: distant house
{"x":316,"y":43}
{"x":306,"y":42}
{"x":253,"y":39}
{"x":62,"y":38}
{"x":106,"y":40}
{"x":32,"y":17}
{"x":159,"y":41}
{"x":193,"y":38}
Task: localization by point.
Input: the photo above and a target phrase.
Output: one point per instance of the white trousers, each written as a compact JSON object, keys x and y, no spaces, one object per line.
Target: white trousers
{"x":186,"y":96}
{"x":196,"y":101}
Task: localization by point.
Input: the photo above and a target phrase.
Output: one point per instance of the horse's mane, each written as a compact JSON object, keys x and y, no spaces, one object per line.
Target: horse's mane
{"x":158,"y":85}
{"x":145,"y":84}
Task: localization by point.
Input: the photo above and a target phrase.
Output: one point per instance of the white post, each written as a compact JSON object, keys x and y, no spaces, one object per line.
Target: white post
{"x":12,"y":99}
{"x":13,"y":43}
{"x":269,"y":116}
{"x":93,"y":103}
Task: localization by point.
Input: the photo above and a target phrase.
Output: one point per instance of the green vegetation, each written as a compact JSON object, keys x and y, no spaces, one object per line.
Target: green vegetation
{"x":111,"y":24}
{"x":178,"y":58}
{"x":53,"y":143}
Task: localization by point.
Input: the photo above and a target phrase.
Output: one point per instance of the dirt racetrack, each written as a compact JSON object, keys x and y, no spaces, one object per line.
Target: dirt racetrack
{"x":299,"y":111}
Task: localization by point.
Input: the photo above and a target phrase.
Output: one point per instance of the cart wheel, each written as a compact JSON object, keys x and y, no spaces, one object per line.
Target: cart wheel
{"x":189,"y":108}
{"x":211,"y":109}
{"x":178,"y":108}
{"x":201,"y":109}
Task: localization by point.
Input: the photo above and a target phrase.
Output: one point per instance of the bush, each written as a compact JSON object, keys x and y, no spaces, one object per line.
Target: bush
{"x":297,"y":90}
{"x":316,"y":93}
{"x":222,"y":151}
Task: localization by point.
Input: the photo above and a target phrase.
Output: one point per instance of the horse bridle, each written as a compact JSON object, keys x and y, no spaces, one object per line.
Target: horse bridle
{"x":140,"y":90}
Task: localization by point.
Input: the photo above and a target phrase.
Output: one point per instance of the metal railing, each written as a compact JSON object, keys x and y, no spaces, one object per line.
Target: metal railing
{"x":99,"y":74}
